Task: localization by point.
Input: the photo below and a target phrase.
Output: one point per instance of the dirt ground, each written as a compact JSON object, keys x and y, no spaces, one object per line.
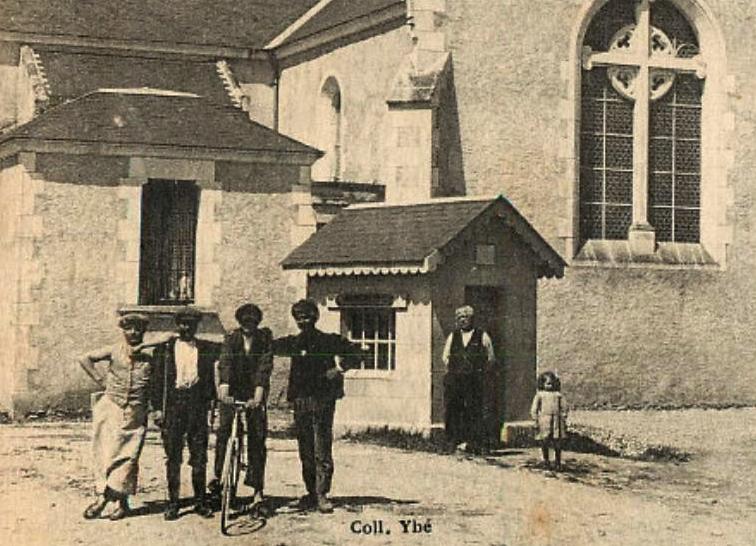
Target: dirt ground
{"x":505,"y":498}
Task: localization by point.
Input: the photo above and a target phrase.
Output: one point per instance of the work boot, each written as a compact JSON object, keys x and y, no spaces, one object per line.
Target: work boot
{"x":95,"y":509}
{"x":307,"y":502}
{"x":325,"y":506}
{"x":171,"y":512}
{"x":121,"y":511}
{"x":203,"y":509}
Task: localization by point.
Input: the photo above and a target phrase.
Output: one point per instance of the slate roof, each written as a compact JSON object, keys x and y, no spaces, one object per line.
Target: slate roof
{"x":407,"y":235}
{"x":339,"y":12}
{"x":234,"y":23}
{"x":110,"y":71}
{"x":154,"y":119}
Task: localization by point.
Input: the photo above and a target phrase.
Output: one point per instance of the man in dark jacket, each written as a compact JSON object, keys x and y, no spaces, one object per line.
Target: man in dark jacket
{"x":315,"y":383}
{"x":183,"y":388}
{"x":468,"y":356}
{"x":244,"y":370}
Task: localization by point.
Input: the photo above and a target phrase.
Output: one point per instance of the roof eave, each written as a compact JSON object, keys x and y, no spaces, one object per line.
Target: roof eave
{"x":16,"y":144}
{"x":83,"y":44}
{"x":341,"y":270}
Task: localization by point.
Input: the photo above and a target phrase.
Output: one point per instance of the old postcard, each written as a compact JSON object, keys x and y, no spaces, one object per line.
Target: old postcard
{"x":377,"y":272}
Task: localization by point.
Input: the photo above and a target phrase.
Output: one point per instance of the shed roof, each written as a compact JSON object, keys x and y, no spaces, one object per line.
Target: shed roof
{"x":409,"y":238}
{"x":249,"y":24}
{"x":154,"y":118}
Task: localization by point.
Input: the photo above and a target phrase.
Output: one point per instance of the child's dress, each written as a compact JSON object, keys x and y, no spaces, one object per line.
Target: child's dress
{"x":549,"y":410}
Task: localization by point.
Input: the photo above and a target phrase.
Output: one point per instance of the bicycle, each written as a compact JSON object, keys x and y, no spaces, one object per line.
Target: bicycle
{"x":232,"y":465}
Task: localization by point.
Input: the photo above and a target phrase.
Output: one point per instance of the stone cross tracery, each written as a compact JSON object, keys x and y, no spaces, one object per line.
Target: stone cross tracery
{"x":641,"y":65}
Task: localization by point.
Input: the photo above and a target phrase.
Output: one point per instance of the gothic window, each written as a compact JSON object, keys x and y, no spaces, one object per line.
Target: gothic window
{"x":642,"y":83}
{"x":330,"y":127}
{"x":168,"y":242}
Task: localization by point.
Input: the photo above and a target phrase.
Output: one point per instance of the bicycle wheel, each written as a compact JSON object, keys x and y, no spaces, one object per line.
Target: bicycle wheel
{"x":229,"y":479}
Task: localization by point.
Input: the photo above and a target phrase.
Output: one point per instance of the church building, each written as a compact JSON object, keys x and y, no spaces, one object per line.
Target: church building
{"x":157,"y":153}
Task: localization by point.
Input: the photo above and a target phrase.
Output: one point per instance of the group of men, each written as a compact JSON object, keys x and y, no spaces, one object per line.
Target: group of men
{"x":174,"y":379}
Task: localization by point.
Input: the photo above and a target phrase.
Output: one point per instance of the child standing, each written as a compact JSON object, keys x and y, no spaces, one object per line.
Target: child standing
{"x":549,"y":411}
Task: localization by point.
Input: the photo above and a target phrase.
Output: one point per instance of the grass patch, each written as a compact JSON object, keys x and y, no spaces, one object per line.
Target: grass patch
{"x":400,"y":439}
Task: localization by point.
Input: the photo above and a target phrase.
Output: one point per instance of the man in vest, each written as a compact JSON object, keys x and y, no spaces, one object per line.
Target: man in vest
{"x":183,"y":389}
{"x":468,"y":356}
{"x":244,"y":369}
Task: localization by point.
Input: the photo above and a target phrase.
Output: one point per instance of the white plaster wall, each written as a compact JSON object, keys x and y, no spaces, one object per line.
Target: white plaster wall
{"x":9,"y":219}
{"x":400,"y":398}
{"x":365,"y":80}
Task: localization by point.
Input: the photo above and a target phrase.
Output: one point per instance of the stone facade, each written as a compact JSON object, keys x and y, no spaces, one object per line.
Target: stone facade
{"x":619,"y":335}
{"x":365,"y":129}
{"x":71,"y":236}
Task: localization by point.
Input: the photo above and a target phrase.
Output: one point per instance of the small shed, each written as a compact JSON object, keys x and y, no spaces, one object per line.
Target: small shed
{"x":389,"y":276}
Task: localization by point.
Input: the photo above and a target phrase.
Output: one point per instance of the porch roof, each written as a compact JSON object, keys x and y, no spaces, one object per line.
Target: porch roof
{"x":412,"y":238}
{"x":149,"y":121}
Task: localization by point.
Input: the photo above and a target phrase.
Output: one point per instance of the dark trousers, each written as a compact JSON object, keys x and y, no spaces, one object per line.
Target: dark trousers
{"x":465,"y":417}
{"x":186,"y":423}
{"x":314,"y":424}
{"x":257,"y":452}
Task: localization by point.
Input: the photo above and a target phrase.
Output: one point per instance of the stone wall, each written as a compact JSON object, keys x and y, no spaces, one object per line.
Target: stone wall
{"x":622,"y":335}
{"x":364,"y":71}
{"x":399,"y":398}
{"x":70,"y":236}
{"x":256,"y":215}
{"x":76,"y":251}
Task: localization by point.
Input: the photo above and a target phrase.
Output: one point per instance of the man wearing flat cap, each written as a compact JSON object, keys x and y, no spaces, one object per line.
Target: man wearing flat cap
{"x":469,"y":357}
{"x":316,"y":381}
{"x":182,"y":390}
{"x":119,"y":418}
{"x":244,"y":369}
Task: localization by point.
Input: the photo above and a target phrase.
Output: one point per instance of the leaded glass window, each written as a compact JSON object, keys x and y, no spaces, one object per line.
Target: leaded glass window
{"x":640,"y":124}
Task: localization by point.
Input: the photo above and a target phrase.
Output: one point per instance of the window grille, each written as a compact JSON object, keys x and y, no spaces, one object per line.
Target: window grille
{"x":168,"y":245}
{"x":374,"y":329}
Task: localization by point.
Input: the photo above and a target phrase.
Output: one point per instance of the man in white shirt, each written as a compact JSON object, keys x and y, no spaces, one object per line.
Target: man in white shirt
{"x":183,"y":388}
{"x":468,"y":356}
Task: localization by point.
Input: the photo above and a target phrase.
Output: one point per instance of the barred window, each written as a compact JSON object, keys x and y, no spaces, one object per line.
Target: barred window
{"x":168,"y":242}
{"x":370,"y":322}
{"x":640,"y":123}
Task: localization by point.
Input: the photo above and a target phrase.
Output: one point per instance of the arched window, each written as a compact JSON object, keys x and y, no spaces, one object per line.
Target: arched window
{"x":330,"y":123}
{"x":642,"y":83}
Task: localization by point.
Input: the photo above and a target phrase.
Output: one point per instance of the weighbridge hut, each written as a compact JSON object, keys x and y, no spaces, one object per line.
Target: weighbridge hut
{"x":390,"y":277}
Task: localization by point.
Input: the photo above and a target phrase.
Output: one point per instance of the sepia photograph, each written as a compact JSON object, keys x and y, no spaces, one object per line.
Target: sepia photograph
{"x":377,"y":272}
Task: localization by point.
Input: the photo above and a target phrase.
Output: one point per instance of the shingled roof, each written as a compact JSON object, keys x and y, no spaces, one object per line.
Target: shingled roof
{"x":111,"y":71}
{"x":408,"y":238}
{"x":247,"y":24}
{"x":153,"y":118}
{"x":337,"y":13}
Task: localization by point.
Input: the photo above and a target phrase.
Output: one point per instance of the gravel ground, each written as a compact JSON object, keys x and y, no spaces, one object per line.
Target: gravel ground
{"x":506,"y":498}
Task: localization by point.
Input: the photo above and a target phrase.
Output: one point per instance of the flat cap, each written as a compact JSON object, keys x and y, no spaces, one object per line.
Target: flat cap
{"x":135,"y":319}
{"x":188,"y":314}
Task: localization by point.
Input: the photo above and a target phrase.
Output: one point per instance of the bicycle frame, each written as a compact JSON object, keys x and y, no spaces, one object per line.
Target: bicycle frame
{"x":232,"y":464}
